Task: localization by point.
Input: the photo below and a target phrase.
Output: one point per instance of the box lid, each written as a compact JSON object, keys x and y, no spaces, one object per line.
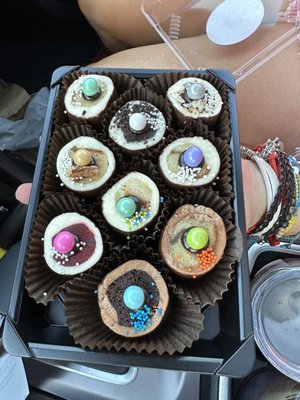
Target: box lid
{"x":209,"y":33}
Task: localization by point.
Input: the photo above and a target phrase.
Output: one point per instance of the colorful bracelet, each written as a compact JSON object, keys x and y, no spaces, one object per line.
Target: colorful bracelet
{"x":281,"y":213}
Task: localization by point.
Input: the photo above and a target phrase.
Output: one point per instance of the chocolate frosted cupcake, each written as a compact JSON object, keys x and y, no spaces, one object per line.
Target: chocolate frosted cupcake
{"x":133,"y":299}
{"x":138,"y":125}
{"x":72,"y":244}
{"x":131,"y":204}
{"x":193,"y":240}
{"x":85,"y":164}
{"x":88,"y":96}
{"x":189,"y":162}
{"x":195,"y":98}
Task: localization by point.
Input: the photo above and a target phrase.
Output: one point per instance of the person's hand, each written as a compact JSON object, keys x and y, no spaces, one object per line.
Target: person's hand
{"x":23,"y":193}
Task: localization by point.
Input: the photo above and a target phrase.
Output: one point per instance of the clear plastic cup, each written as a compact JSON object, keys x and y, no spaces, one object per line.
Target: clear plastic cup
{"x":276,"y":316}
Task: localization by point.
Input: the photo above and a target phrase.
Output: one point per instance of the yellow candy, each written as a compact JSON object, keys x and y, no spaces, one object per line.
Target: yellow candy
{"x":82,"y":157}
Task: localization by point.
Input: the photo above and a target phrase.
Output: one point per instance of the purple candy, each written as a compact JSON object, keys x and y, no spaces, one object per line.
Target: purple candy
{"x":192,"y":157}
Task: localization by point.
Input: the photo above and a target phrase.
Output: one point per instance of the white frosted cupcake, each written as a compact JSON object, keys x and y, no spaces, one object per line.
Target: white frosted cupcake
{"x":132,"y":203}
{"x":88,"y":96}
{"x":138,"y":125}
{"x":195,"y":98}
{"x":189,"y":162}
{"x":72,"y":244}
{"x":85,"y":164}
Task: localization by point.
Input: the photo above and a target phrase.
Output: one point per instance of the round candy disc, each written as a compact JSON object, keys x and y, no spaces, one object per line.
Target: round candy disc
{"x":126,"y":207}
{"x":197,"y":238}
{"x":134,"y":297}
{"x":195,"y":91}
{"x":192,"y":157}
{"x":90,"y":87}
{"x":234,"y":20}
{"x":137,"y":122}
{"x":64,"y":242}
{"x":82,"y":157}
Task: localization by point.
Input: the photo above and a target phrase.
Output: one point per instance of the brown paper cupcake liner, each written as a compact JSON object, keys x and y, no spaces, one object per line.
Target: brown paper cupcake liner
{"x":150,"y":232}
{"x":61,"y":136}
{"x":161,"y":83}
{"x":210,"y":287}
{"x":144,"y":94}
{"x":122,"y":82}
{"x":222,"y":184}
{"x":180,"y":328}
{"x":42,"y":283}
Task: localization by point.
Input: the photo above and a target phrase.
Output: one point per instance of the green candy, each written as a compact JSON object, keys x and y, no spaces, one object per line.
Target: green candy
{"x":126,"y":207}
{"x":197,"y":238}
{"x":90,"y":87}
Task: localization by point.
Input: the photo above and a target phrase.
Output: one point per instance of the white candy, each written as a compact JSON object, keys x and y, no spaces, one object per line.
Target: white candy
{"x":195,"y":91}
{"x":137,"y":122}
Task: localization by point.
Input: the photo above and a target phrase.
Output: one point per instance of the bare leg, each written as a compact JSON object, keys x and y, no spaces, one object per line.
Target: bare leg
{"x":121,"y":24}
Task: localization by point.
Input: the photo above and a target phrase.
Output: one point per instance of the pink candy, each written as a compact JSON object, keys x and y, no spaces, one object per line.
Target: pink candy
{"x":64,"y":242}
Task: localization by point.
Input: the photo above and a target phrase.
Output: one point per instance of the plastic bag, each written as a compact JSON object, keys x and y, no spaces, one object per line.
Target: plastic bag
{"x":25,"y":133}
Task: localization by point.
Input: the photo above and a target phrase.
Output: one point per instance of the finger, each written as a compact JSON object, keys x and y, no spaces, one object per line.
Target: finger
{"x":23,"y":193}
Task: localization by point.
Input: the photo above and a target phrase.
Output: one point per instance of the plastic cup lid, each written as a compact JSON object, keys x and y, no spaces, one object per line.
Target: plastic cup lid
{"x":234,"y":21}
{"x":276,"y":318}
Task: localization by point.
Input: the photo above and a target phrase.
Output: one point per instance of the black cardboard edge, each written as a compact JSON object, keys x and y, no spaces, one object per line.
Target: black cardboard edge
{"x":186,"y":363}
{"x":243,"y":267}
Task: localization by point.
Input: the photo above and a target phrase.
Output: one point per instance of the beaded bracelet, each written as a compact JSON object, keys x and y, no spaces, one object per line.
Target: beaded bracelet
{"x":283,"y":231}
{"x":288,"y":199}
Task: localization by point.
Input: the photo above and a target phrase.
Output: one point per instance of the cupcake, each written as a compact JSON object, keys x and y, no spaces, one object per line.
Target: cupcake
{"x":133,"y":299}
{"x":193,"y":240}
{"x":131,"y":204}
{"x":189,"y":162}
{"x":85,"y":164}
{"x":137,"y":125}
{"x":72,"y":244}
{"x":88,"y":96}
{"x":195,"y":98}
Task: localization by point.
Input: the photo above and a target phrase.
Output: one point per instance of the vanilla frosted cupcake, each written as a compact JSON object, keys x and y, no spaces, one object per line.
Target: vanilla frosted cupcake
{"x":193,"y":240}
{"x":88,"y":96}
{"x":195,"y":98}
{"x":85,"y":164}
{"x":72,"y":244}
{"x":133,"y":299}
{"x":189,"y":162}
{"x":132,"y":203}
{"x":138,"y":125}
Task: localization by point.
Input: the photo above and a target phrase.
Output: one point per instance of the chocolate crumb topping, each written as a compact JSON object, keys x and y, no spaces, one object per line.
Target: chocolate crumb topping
{"x":122,"y":121}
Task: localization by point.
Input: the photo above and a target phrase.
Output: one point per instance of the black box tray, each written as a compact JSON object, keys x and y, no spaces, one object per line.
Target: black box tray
{"x":226,"y":345}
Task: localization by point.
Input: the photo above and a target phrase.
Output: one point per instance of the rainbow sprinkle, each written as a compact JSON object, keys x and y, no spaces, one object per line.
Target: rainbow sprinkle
{"x":138,"y":218}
